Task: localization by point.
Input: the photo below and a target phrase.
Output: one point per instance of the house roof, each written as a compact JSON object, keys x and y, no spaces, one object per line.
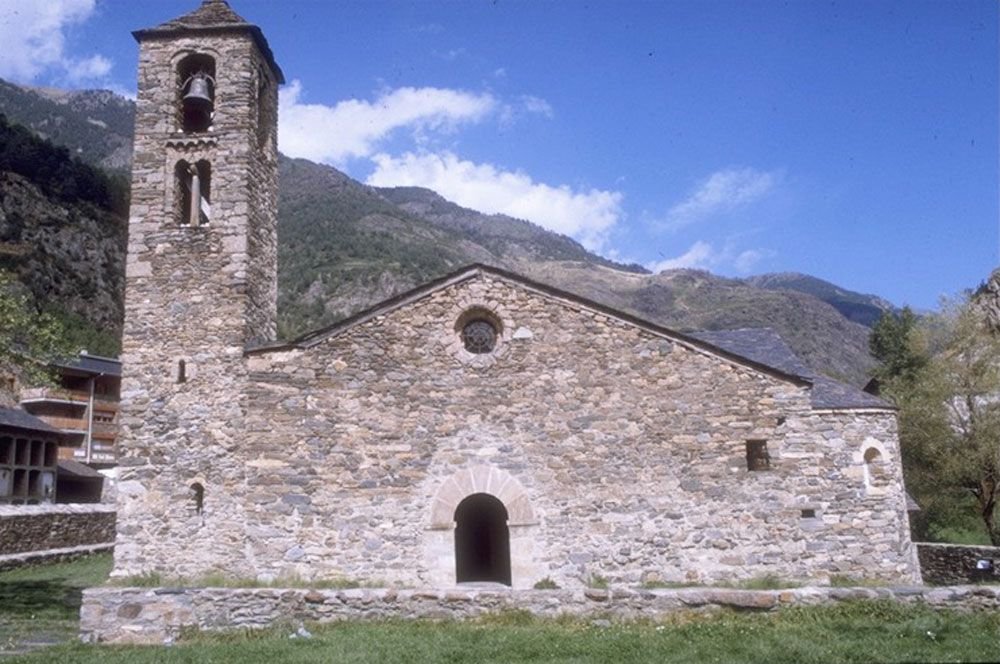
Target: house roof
{"x":79,"y":470}
{"x":311,"y":339}
{"x":15,"y":418}
{"x":767,"y":347}
{"x":93,"y":365}
{"x":213,"y":16}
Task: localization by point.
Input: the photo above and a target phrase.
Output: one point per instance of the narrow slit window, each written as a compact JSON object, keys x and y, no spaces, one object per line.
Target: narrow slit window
{"x":198,"y":497}
{"x":757,"y":456}
{"x":181,"y":371}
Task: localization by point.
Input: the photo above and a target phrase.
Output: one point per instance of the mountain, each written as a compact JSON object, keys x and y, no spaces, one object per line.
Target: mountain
{"x":62,"y":232}
{"x":96,"y":125}
{"x":858,"y":307}
{"x":344,"y":246}
{"x":503,"y":236}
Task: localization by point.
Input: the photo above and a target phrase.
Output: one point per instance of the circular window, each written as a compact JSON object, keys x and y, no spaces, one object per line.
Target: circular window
{"x":479,"y":336}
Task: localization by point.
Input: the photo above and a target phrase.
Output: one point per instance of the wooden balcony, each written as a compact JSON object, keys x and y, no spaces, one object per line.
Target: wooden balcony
{"x":55,"y":394}
{"x":66,"y":424}
{"x":105,"y":404}
{"x":104,"y":430}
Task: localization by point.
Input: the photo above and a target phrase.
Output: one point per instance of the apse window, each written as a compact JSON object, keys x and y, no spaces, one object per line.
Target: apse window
{"x":757,"y":456}
{"x":876,"y":470}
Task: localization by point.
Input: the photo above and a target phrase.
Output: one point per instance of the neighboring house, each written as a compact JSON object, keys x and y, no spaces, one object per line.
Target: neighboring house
{"x":83,"y":404}
{"x":482,"y":427}
{"x":28,"y":458}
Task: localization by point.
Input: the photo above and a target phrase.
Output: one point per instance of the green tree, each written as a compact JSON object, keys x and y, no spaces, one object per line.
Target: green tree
{"x":895,"y":344}
{"x":29,"y":339}
{"x":950,"y":419}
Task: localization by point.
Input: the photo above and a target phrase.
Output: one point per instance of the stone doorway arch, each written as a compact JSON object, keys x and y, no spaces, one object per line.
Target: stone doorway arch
{"x":482,"y":540}
{"x":497,"y":488}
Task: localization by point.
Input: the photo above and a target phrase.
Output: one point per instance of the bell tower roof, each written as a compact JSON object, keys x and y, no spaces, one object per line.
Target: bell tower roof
{"x":213,"y":16}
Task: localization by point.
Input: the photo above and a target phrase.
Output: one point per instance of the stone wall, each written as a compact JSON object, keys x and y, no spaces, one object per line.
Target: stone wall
{"x":145,"y":615}
{"x":32,"y":528}
{"x":617,"y":451}
{"x":957,"y":563}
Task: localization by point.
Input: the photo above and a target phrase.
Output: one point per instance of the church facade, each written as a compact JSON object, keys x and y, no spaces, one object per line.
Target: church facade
{"x":482,"y":427}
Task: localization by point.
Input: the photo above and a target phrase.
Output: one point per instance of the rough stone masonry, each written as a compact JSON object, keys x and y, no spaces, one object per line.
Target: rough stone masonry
{"x":481,"y":427}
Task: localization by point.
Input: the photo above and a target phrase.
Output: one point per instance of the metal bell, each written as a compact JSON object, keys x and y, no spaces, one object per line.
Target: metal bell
{"x":198,"y":91}
{"x":197,"y":102}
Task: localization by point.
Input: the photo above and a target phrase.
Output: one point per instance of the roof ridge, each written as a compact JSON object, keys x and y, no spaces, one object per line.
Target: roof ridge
{"x":211,"y":12}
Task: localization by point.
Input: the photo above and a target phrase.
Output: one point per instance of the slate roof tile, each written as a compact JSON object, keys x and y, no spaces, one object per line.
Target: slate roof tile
{"x":765,"y":346}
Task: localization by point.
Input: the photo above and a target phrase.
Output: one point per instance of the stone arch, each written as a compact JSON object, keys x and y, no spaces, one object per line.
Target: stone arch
{"x":523,"y":527}
{"x":481,"y":479}
{"x":875,"y":462}
{"x":188,"y":67}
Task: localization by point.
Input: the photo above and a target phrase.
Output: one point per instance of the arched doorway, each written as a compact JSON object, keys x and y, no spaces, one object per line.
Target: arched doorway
{"x":482,"y":540}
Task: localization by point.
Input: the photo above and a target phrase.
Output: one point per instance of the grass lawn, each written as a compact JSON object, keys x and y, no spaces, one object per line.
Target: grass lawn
{"x":41,"y":604}
{"x":855,"y":632}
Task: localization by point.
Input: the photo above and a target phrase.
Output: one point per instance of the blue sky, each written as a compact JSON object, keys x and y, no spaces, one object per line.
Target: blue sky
{"x":855,"y":141}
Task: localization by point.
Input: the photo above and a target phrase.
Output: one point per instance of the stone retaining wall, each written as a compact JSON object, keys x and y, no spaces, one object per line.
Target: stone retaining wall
{"x":35,"y":528}
{"x":152,"y":615}
{"x":958,"y":563}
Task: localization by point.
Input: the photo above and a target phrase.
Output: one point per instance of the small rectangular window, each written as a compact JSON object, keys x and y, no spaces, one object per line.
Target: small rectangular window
{"x":808,"y":514}
{"x":757,"y":456}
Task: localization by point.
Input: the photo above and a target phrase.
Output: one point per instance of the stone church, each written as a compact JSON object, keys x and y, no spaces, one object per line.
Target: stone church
{"x":480,"y":428}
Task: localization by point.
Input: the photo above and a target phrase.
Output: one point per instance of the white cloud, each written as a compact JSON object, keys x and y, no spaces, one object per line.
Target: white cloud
{"x":94,"y":67}
{"x":452,"y":54}
{"x":748,"y":260}
{"x":354,"y":128}
{"x":701,"y":256}
{"x":538,"y":105}
{"x":525,"y":104}
{"x":33,"y":34}
{"x":587,"y":216}
{"x":722,"y":191}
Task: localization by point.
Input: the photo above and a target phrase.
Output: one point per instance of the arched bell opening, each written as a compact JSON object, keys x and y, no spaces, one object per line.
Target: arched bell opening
{"x":482,"y":540}
{"x":196,"y":93}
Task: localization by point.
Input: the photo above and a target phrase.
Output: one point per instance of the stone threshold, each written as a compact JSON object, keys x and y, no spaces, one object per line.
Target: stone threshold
{"x":158,"y":615}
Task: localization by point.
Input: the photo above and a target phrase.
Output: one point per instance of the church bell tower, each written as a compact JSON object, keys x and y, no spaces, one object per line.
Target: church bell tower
{"x":201,"y":277}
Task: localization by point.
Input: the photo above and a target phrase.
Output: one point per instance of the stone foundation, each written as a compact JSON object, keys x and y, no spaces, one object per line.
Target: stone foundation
{"x":152,"y":615}
{"x":958,"y":563}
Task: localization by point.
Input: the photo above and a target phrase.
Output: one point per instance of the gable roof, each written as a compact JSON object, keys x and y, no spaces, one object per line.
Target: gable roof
{"x":15,"y":418}
{"x":758,"y":348}
{"x":213,"y":16}
{"x":766,"y":346}
{"x":311,"y":339}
